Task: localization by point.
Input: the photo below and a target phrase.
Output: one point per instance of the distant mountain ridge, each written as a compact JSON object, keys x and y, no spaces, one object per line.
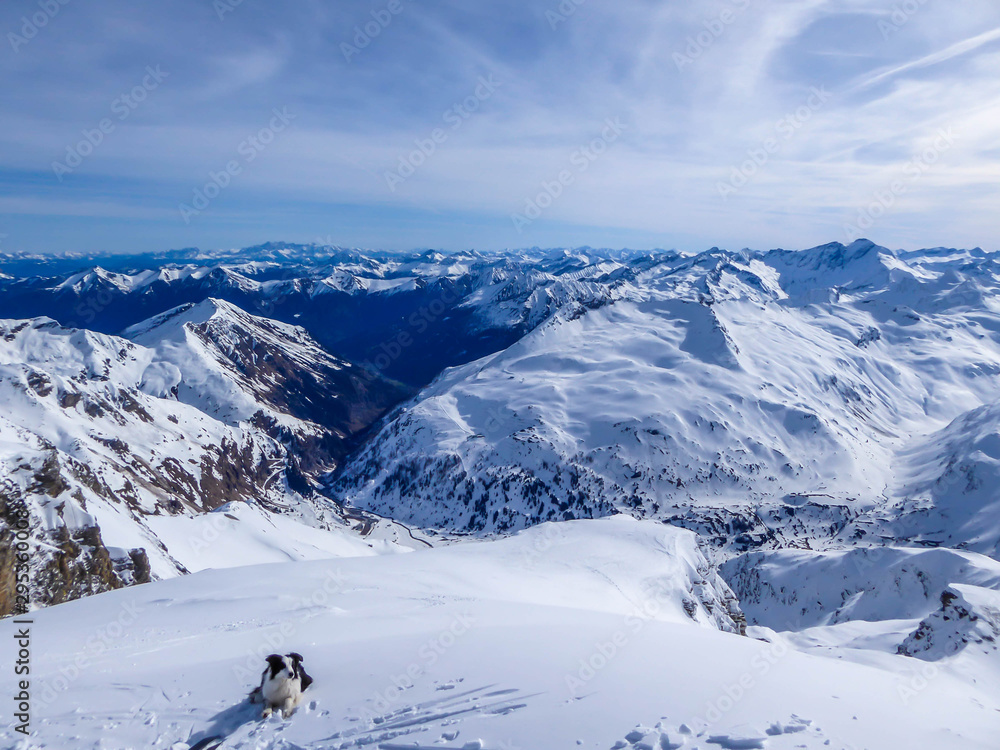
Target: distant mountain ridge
{"x":768,"y":398}
{"x":830,"y":398}
{"x":448,"y":308}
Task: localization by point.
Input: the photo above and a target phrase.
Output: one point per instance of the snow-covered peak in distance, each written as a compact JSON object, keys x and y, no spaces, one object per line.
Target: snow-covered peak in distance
{"x":173,"y":322}
{"x":115,"y":445}
{"x":761,"y":398}
{"x":237,"y":365}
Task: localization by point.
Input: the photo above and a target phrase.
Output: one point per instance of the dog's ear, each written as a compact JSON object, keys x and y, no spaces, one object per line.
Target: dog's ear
{"x":297,"y":658}
{"x":276,"y":663}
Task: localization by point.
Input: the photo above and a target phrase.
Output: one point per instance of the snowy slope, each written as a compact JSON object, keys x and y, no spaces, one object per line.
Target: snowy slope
{"x":948,"y":486}
{"x":99,"y":442}
{"x":239,"y":367}
{"x":969,"y":616}
{"x":760,"y":398}
{"x":796,"y":589}
{"x":576,"y":635}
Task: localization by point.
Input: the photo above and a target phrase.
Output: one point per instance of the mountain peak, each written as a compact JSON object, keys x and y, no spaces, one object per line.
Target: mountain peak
{"x":177,"y":319}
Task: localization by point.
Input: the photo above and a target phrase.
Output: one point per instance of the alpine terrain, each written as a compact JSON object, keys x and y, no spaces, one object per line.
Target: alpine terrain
{"x":532,"y":499}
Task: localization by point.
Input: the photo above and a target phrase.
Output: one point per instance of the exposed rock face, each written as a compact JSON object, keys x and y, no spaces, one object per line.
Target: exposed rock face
{"x":9,"y":518}
{"x":274,"y":376}
{"x":99,"y":426}
{"x":714,"y":594}
{"x":58,"y":564}
{"x":969,"y":616}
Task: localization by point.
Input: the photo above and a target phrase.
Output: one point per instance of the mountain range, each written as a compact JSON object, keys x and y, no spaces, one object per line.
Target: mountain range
{"x":817,"y":432}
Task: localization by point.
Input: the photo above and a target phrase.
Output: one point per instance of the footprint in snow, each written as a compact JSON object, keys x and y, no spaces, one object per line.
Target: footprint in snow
{"x":664,"y":737}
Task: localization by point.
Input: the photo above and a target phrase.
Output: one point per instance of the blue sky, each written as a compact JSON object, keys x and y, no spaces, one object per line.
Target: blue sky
{"x":416,"y":123}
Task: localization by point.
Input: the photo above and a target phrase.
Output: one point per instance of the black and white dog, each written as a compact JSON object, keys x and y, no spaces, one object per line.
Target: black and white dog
{"x":281,"y":685}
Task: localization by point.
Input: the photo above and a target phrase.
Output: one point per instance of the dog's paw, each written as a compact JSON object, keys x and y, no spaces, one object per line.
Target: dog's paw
{"x":266,"y":713}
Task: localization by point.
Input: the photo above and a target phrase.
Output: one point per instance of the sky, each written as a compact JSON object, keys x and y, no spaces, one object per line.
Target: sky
{"x":401,"y":124}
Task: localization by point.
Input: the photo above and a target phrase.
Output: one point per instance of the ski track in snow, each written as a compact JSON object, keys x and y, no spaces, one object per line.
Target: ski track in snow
{"x":598,"y":637}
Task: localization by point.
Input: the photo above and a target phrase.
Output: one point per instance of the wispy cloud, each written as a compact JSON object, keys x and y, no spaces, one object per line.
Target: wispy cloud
{"x":754,"y":64}
{"x":949,"y":53}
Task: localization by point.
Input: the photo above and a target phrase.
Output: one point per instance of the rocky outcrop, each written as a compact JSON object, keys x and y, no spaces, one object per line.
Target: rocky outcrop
{"x":969,"y":616}
{"x":55,"y":565}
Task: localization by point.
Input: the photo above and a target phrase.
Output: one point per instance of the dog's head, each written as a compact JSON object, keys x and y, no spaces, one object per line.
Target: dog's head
{"x":288,"y":666}
{"x":296,"y":660}
{"x":280,"y":666}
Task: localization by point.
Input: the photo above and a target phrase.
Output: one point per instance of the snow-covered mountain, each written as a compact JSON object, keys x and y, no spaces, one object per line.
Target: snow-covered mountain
{"x":948,"y":487}
{"x":108,"y":441}
{"x":408,"y":316}
{"x":800,"y":452}
{"x":241,"y":368}
{"x":764,"y":399}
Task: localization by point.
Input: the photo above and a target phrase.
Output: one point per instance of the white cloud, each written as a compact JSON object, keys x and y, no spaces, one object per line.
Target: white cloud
{"x":687,"y":129}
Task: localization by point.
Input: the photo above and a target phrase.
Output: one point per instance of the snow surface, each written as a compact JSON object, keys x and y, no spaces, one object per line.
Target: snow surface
{"x":771,"y":398}
{"x":793,"y":589}
{"x":138,"y":434}
{"x":570,"y":635}
{"x":240,"y":534}
{"x":826,"y":420}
